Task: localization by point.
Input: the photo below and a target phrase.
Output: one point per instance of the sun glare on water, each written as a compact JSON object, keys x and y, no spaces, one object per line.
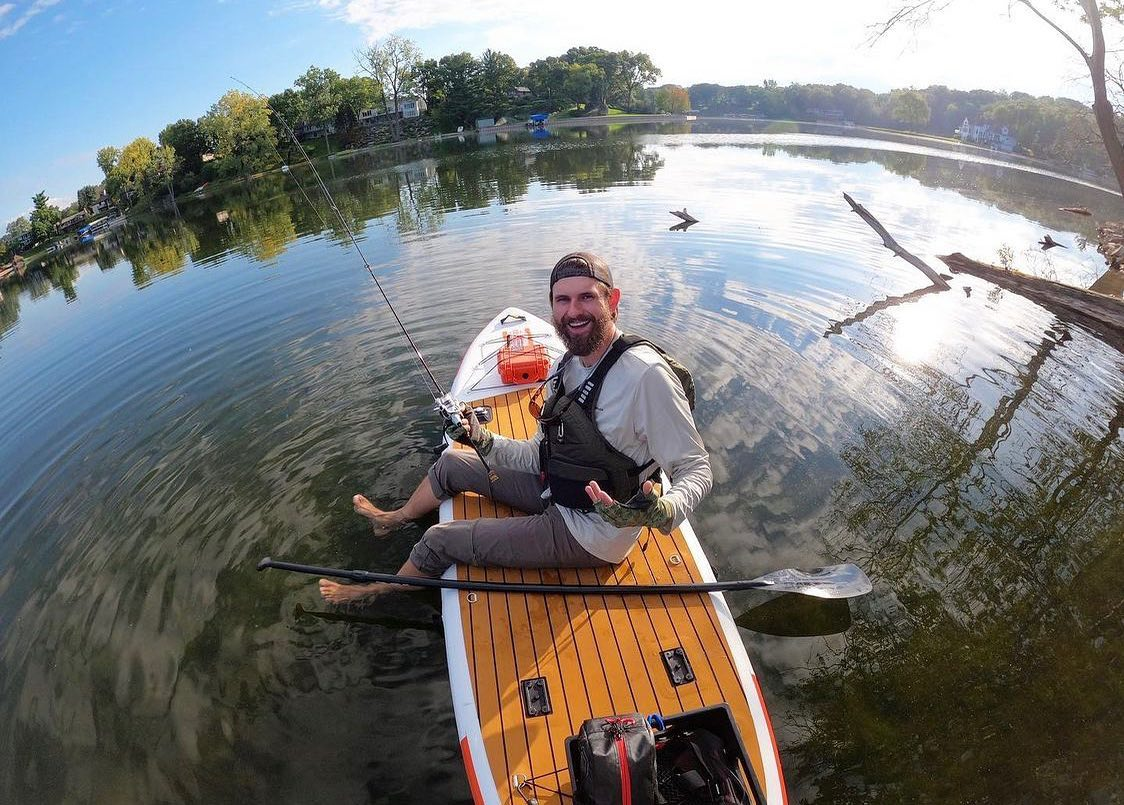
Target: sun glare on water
{"x":919,"y":329}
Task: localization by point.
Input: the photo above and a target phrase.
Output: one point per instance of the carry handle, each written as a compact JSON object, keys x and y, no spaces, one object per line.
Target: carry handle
{"x":512,"y":317}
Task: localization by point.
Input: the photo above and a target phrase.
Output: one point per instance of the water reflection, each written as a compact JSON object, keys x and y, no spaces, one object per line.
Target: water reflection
{"x":988,"y":669}
{"x":798,"y":616}
{"x":164,"y":440}
{"x":158,"y":247}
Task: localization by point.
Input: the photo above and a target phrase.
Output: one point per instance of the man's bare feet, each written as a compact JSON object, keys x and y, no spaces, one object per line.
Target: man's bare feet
{"x":382,"y":523}
{"x":335,"y":593}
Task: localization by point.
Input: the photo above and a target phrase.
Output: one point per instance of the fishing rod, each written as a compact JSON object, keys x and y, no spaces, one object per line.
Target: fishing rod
{"x":833,"y":581}
{"x":443,"y":403}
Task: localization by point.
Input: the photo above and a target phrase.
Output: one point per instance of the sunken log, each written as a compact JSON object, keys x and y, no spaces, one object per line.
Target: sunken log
{"x":1102,"y":314}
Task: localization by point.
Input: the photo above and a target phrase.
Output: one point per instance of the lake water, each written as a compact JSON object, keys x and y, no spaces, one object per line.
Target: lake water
{"x":196,"y":393}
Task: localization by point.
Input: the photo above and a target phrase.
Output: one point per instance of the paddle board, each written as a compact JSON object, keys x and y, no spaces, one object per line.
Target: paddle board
{"x":527,"y":669}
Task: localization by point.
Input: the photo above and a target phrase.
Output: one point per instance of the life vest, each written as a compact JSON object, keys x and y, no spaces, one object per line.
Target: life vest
{"x":573,"y":452}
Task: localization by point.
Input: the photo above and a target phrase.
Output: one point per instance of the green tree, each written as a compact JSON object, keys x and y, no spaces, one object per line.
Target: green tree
{"x":17,"y":229}
{"x":429,"y":82}
{"x":635,"y":70}
{"x":88,"y":196}
{"x":318,"y":89}
{"x":909,"y":107}
{"x":546,"y":77}
{"x":44,"y":217}
{"x":603,"y":82}
{"x":244,"y":140}
{"x":162,"y":170}
{"x":107,"y":159}
{"x":133,"y":177}
{"x":288,"y":109}
{"x":459,"y":77}
{"x":1092,"y":14}
{"x":356,"y":94}
{"x":391,"y":62}
{"x":498,"y":76}
{"x":190,"y":143}
{"x":13,"y":238}
{"x":583,"y":85}
{"x":673,"y":99}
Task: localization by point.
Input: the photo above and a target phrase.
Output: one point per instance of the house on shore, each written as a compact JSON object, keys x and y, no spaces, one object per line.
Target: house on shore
{"x":411,"y":107}
{"x":833,"y":117}
{"x":998,"y":138}
{"x":71,"y":222}
{"x":309,"y":131}
{"x":407,"y":108}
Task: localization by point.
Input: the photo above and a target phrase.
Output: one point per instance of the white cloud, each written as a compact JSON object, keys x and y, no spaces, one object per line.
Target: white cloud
{"x":966,"y":46}
{"x":38,"y":7}
{"x":378,"y":18}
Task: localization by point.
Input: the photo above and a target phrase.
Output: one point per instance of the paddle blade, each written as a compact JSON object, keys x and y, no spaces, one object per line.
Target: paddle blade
{"x":833,"y":581}
{"x":797,"y":616}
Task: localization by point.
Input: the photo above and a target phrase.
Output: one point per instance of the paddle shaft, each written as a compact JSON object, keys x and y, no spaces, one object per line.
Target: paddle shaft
{"x":760,"y":583}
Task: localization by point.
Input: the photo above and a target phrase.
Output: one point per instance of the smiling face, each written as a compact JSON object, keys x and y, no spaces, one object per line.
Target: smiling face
{"x":584,"y":311}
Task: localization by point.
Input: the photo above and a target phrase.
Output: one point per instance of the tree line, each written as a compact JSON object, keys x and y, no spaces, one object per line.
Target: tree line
{"x":239,"y":136}
{"x":1055,"y":129}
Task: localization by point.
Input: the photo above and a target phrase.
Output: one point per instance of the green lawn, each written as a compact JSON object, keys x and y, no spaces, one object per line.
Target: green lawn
{"x":315,"y":147}
{"x":576,"y":112}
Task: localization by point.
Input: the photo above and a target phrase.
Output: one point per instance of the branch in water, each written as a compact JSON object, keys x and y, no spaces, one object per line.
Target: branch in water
{"x":891,"y":244}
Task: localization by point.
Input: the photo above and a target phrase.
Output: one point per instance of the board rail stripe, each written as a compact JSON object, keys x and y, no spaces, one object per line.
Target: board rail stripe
{"x":470,"y":772}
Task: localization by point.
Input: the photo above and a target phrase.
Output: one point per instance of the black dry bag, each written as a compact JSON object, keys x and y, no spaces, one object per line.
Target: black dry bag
{"x":616,"y":761}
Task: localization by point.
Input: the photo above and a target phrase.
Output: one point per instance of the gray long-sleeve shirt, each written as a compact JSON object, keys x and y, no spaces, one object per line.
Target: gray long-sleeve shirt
{"x":643,"y":412}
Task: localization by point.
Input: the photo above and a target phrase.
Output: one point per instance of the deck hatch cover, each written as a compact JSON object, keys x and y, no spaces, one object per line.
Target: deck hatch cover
{"x":678,"y":666}
{"x":536,"y":697}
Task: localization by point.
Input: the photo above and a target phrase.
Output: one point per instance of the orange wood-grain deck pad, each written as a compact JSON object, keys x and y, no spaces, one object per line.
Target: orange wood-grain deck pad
{"x":600,"y":654}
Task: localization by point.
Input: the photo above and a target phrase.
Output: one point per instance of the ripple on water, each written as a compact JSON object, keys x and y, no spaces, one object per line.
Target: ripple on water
{"x":956,"y":444}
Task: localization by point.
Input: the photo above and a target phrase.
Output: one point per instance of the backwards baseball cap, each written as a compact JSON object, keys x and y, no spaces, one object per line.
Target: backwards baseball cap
{"x":581,"y":264}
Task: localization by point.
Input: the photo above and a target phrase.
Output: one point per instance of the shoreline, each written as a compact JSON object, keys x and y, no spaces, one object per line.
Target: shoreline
{"x":953,"y":146}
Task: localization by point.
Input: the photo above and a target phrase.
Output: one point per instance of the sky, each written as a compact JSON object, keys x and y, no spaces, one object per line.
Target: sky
{"x":77,"y":75}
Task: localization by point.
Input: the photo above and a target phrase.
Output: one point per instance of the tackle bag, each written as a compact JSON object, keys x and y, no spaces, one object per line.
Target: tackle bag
{"x":616,"y":761}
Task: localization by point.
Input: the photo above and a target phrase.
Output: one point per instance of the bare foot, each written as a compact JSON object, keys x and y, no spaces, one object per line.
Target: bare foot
{"x":382,"y":523}
{"x":335,"y":593}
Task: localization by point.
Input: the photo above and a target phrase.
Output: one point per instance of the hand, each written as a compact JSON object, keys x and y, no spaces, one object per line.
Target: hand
{"x":658,"y":513}
{"x":470,"y":431}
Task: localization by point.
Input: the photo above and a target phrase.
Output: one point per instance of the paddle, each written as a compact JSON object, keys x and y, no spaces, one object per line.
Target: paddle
{"x":834,"y":581}
{"x":794,"y":616}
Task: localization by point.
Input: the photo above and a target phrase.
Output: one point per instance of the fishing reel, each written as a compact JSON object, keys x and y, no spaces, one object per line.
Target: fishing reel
{"x":453,"y":411}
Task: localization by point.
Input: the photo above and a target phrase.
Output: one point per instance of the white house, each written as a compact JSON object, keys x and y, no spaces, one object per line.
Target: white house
{"x":307,"y":131}
{"x":369,"y":117}
{"x":407,"y":108}
{"x":997,"y":137}
{"x":411,"y":107}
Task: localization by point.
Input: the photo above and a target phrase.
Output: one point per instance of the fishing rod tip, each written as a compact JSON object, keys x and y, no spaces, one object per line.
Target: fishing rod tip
{"x":265,"y":563}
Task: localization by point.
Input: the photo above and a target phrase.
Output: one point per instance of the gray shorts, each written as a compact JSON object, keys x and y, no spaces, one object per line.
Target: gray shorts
{"x":539,"y":539}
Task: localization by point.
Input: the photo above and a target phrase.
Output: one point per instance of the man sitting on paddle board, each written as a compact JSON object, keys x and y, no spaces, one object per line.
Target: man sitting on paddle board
{"x":640,"y":422}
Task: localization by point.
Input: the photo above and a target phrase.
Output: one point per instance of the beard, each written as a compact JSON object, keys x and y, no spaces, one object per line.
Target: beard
{"x":584,"y":344}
